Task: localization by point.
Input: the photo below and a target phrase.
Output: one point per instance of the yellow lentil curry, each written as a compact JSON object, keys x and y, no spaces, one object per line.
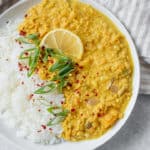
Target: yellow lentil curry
{"x":101,"y":85}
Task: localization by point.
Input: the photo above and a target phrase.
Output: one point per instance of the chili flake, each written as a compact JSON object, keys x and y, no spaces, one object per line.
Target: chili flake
{"x":43,"y":126}
{"x":73,"y":110}
{"x":22,"y":82}
{"x":51,"y":102}
{"x":23,"y":33}
{"x":25,"y":15}
{"x":31,"y":96}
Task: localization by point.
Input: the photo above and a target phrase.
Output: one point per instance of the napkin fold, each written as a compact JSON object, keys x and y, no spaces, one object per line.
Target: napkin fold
{"x":135,"y":15}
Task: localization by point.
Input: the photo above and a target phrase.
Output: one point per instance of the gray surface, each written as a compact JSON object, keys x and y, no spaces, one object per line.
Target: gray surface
{"x":135,"y":135}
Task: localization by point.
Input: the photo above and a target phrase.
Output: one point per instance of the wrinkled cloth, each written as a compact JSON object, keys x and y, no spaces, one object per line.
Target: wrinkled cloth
{"x":135,"y":15}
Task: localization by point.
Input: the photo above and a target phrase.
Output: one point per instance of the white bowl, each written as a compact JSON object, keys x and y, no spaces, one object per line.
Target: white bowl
{"x":17,"y":11}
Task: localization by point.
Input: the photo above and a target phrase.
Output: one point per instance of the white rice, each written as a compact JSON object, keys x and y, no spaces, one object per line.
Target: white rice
{"x":26,"y":116}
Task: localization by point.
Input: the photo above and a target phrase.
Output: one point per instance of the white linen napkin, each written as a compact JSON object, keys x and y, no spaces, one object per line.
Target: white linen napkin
{"x":135,"y":15}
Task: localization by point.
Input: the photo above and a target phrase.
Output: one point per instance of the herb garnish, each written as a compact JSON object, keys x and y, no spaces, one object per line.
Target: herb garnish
{"x":62,"y":67}
{"x":60,"y":115}
{"x":33,"y":54}
{"x":46,"y":89}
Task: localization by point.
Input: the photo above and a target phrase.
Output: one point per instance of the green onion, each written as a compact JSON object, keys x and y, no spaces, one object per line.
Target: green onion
{"x":57,"y":66}
{"x":33,"y":60}
{"x":32,"y":36}
{"x":46,"y":89}
{"x":45,"y":59}
{"x":62,"y":67}
{"x":50,"y":110}
{"x":60,"y":116}
{"x":64,"y":113}
{"x":55,"y":121}
{"x":23,"y":40}
{"x":61,"y":85}
{"x":23,"y":55}
{"x":66,"y":70}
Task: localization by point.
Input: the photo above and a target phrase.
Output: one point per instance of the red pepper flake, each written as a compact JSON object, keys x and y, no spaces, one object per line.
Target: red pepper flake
{"x":73,"y":110}
{"x":42,"y":83}
{"x":38,"y":84}
{"x":81,"y":67}
{"x":23,"y":33}
{"x":19,"y":64}
{"x":94,"y":91}
{"x":62,"y":102}
{"x":77,"y":91}
{"x":100,"y":115}
{"x":39,"y":131}
{"x":85,"y":100}
{"x":77,"y":81}
{"x":87,"y":95}
{"x":25,"y":15}
{"x":51,"y":61}
{"x":50,"y":129}
{"x":26,"y":53}
{"x":76,"y":72}
{"x":69,"y":84}
{"x":43,"y":126}
{"x":43,"y":47}
{"x":31,"y":96}
{"x":84,"y":76}
{"x":96,"y":94}
{"x":26,"y":68}
{"x":76,"y":64}
{"x":51,"y":102}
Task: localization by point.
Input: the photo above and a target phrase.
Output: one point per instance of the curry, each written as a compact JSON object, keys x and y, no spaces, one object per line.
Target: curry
{"x":100,"y":87}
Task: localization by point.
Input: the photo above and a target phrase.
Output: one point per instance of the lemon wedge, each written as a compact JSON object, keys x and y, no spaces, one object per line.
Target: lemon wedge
{"x":66,"y":41}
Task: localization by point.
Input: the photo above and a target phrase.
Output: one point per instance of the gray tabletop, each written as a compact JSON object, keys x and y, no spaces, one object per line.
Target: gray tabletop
{"x":135,"y":135}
